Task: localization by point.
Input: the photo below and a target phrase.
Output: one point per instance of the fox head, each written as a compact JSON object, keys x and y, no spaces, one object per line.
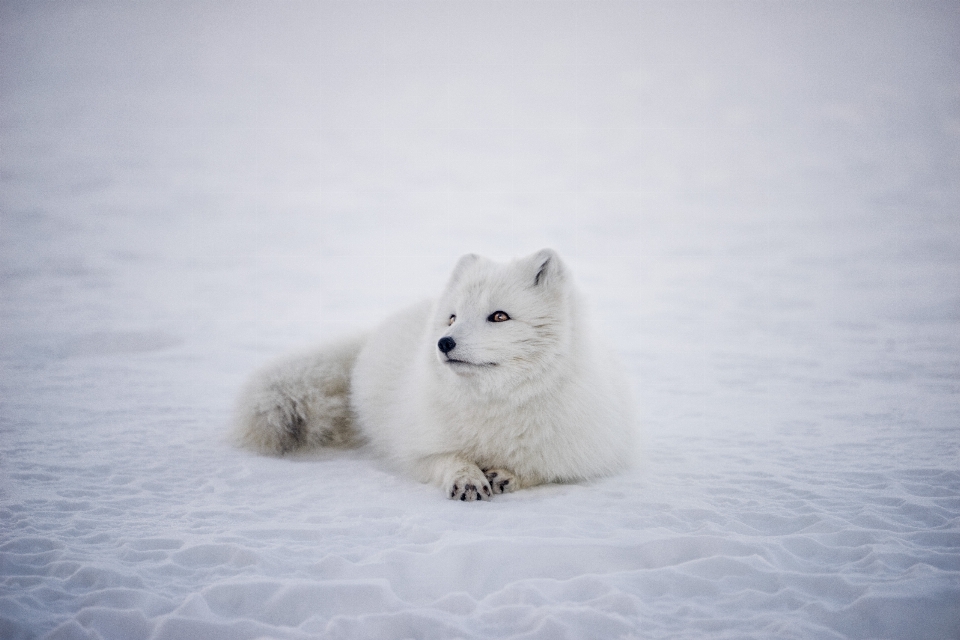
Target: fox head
{"x":509,"y":321}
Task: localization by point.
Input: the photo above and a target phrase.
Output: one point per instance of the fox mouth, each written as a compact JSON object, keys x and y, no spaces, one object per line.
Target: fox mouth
{"x":454,"y":361}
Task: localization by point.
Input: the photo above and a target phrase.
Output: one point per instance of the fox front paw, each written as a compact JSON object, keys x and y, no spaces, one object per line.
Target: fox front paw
{"x":469,"y":488}
{"x":501,"y":480}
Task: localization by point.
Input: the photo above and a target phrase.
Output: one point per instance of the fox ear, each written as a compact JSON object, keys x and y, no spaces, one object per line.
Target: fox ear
{"x":462,"y":265}
{"x":547,"y":267}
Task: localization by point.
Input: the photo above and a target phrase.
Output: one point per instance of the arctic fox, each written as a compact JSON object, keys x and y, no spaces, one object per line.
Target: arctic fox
{"x":495,"y":386}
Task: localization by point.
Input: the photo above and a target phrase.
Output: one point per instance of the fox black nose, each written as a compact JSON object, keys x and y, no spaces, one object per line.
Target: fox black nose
{"x":446,"y":344}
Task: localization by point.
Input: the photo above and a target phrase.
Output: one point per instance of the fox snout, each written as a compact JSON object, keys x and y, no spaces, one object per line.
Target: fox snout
{"x":446,"y":344}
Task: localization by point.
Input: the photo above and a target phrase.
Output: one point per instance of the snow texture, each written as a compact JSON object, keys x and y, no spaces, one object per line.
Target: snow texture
{"x":762,"y":200}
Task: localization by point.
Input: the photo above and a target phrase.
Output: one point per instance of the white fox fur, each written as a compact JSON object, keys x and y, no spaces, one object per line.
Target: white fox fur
{"x":457,"y":395}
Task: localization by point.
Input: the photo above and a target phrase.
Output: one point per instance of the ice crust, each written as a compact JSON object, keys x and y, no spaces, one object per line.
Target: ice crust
{"x":760,"y":199}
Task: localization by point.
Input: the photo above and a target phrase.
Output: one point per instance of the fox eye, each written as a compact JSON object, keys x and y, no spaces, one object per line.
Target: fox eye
{"x":451,"y":320}
{"x":498,"y":316}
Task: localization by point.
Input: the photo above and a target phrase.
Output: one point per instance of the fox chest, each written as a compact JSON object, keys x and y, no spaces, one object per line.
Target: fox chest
{"x":497,"y":438}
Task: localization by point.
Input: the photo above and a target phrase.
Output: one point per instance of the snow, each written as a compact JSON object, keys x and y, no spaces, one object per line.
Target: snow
{"x":759,"y":198}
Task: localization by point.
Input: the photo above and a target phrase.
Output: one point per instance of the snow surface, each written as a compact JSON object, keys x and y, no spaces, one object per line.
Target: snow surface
{"x":760,"y":198}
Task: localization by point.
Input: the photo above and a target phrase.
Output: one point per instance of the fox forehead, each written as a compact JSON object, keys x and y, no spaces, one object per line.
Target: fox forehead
{"x":478,"y":291}
{"x":479,"y":286}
